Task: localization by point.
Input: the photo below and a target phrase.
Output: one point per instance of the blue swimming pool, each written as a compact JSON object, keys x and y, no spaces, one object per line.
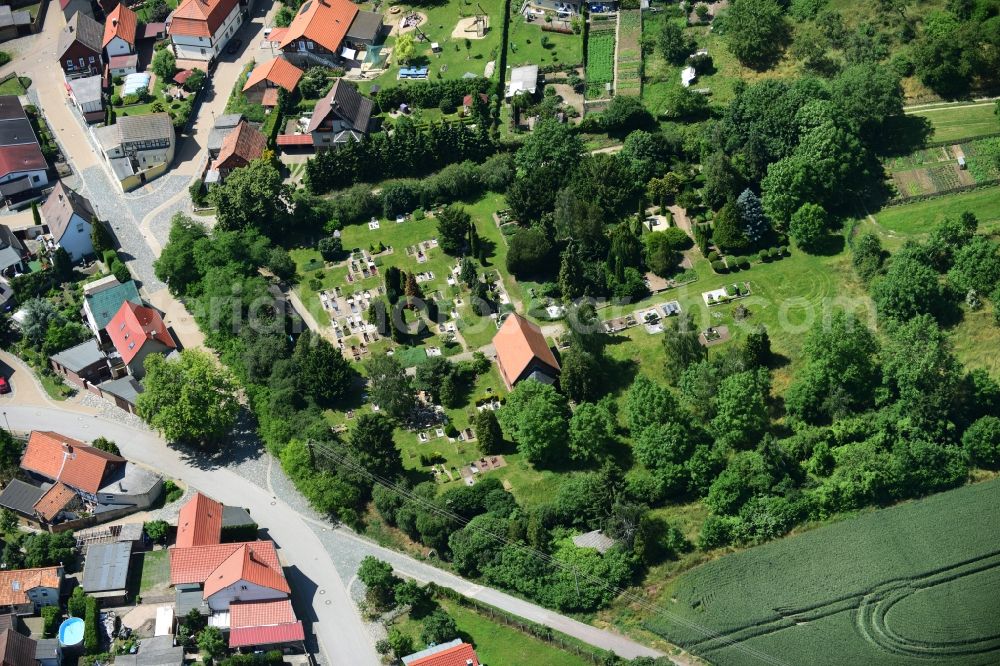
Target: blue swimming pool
{"x":71,"y":631}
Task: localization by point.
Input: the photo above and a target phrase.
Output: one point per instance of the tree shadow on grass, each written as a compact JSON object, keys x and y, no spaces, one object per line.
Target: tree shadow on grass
{"x":902,"y":135}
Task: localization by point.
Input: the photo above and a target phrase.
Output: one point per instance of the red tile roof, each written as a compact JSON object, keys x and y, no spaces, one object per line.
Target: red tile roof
{"x":240,"y":147}
{"x":135,"y":325}
{"x":243,"y":614}
{"x":272,"y":635}
{"x":294,"y":140}
{"x":324,"y":22}
{"x":121,"y":22}
{"x":197,"y":564}
{"x":65,"y":459}
{"x":244,"y":565}
{"x":14,"y":584}
{"x":200,"y":18}
{"x":182,"y":76}
{"x":454,"y":656}
{"x":21,"y":157}
{"x":199,"y":522}
{"x":54,"y":500}
{"x":518,"y":343}
{"x":279,"y":72}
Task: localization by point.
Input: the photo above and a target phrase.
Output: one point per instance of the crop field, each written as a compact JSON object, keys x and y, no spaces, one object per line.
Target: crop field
{"x":983,"y":158}
{"x":629,"y":52}
{"x":913,"y":582}
{"x":600,"y":59}
{"x":960,"y":122}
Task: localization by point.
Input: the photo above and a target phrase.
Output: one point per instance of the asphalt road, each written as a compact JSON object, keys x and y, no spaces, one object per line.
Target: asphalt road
{"x":313,"y":578}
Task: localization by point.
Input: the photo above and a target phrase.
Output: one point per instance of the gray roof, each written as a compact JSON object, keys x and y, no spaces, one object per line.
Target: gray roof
{"x":122,"y":166}
{"x":129,"y":479}
{"x":431,"y":650}
{"x":595,"y":540}
{"x":236,"y":516}
{"x":347,"y":103}
{"x":21,"y":497}
{"x":155,"y":651}
{"x":61,"y":205}
{"x":126,"y":388}
{"x":80,"y":357}
{"x":11,"y":109}
{"x":16,"y":132}
{"x":228,"y":120}
{"x":220,"y":130}
{"x":189,"y":598}
{"x":86,"y":89}
{"x":147,"y":127}
{"x":106,"y":567}
{"x":523,"y":79}
{"x":365,"y":26}
{"x":81,"y":28}
{"x":46,"y":648}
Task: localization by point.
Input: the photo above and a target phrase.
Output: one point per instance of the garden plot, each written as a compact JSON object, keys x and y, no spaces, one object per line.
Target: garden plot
{"x":629,"y":53}
{"x":929,"y":171}
{"x":600,"y":59}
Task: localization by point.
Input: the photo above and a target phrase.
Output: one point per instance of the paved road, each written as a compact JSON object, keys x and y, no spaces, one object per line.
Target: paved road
{"x":316,"y":584}
{"x":319,"y":550}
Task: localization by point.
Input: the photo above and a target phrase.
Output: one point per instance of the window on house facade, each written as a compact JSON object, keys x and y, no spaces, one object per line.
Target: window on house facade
{"x":310,"y":45}
{"x":82,"y":62}
{"x":69,"y":63}
{"x":91,"y":59}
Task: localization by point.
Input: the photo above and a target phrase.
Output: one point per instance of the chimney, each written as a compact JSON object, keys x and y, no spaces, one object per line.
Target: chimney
{"x":67,"y":448}
{"x":114,"y":23}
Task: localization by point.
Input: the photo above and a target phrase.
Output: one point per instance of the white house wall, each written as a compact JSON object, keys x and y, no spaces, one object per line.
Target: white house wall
{"x":118,"y":46}
{"x":76,"y":239}
{"x":242,"y":591}
{"x":205,"y":48}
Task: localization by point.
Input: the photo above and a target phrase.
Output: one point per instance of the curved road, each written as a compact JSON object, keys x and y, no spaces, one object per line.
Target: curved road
{"x":335,"y":621}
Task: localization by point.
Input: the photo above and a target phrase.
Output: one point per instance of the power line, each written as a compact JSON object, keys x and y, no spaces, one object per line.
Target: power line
{"x":328,"y":451}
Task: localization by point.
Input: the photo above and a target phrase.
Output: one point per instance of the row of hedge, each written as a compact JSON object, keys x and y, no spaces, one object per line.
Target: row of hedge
{"x":730,"y":263}
{"x":428,"y":94}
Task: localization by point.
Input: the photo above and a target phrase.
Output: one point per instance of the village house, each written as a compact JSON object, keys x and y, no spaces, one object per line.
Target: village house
{"x":136,"y":331}
{"x":138,"y":148}
{"x":23,"y":168}
{"x":87,"y":93}
{"x":13,"y":253}
{"x":241,"y":585}
{"x":82,"y":365}
{"x":522,"y":352}
{"x":102,"y":299}
{"x":453,"y":653}
{"x":317,"y":32}
{"x":17,"y":649}
{"x":200,"y":29}
{"x":120,"y":32}
{"x":25,"y":591}
{"x":240,"y":147}
{"x":80,"y":47}
{"x":266,"y":78}
{"x":343,"y":115}
{"x":68,"y":216}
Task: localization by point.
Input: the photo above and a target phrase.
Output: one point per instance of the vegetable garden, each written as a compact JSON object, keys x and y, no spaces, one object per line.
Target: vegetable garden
{"x":600,"y":59}
{"x":855,"y":580}
{"x":629,"y":53}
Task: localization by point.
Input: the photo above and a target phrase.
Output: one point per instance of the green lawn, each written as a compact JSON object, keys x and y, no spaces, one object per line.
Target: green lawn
{"x":495,"y":643}
{"x":155,"y":571}
{"x":143,"y":12}
{"x":12,"y":86}
{"x":961,"y":121}
{"x":918,"y":219}
{"x":454,"y":59}
{"x":525,"y":45}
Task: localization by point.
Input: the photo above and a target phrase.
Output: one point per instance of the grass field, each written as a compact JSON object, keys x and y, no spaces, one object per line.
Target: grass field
{"x":525,"y":47}
{"x":958,"y":122}
{"x":896,"y":586}
{"x":155,"y":572}
{"x":12,"y":86}
{"x":919,"y":219}
{"x":629,"y":52}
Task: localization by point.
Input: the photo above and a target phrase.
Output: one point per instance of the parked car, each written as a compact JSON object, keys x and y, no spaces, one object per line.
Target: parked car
{"x":234,"y":45}
{"x":4,"y":385}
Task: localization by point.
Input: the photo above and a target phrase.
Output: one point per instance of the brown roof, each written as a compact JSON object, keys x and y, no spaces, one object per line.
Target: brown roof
{"x":122,"y":22}
{"x":54,"y":500}
{"x":199,"y":522}
{"x":347,"y":103}
{"x":269,"y":99}
{"x":58,"y":209}
{"x":240,"y":147}
{"x":23,"y":157}
{"x":16,"y":650}
{"x":279,"y":72}
{"x":518,"y":343}
{"x":14,"y":585}
{"x":200,"y":18}
{"x":61,"y":458}
{"x":324,"y":22}
{"x":82,"y":29}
